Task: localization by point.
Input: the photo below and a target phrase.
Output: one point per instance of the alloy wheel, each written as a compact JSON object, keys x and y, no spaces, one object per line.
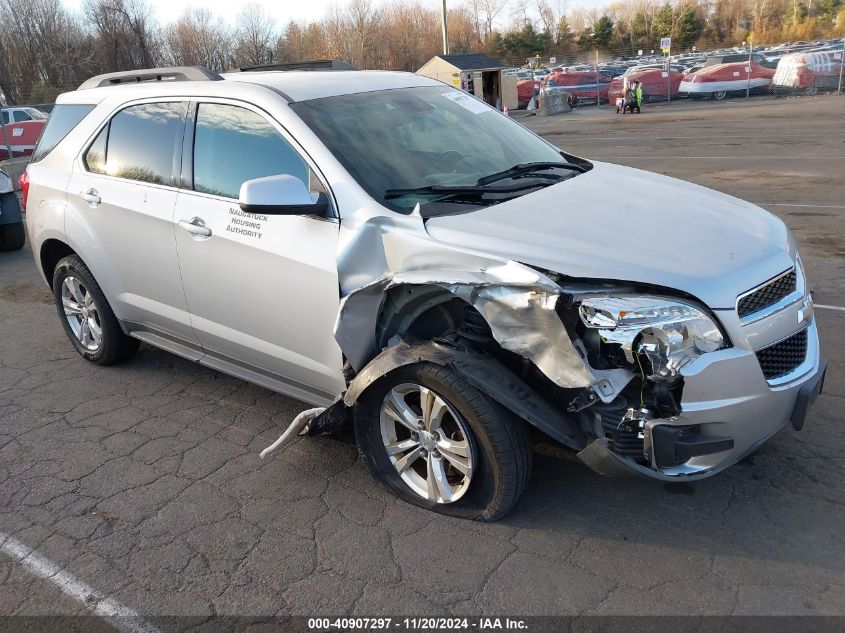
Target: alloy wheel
{"x":427,"y":442}
{"x":82,"y":314}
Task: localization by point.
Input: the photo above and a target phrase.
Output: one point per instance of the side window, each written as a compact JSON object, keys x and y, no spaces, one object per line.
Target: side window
{"x":233,"y":144}
{"x":20,"y":115}
{"x":62,"y":120}
{"x":5,"y":115}
{"x":138,"y":143}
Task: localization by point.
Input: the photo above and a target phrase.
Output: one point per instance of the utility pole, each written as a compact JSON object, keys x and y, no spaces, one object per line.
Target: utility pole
{"x":841,"y":65}
{"x":445,"y":30}
{"x":748,"y":70}
{"x":598,"y":84}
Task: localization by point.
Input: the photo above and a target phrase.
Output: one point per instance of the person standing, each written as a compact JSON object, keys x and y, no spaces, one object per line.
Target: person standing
{"x":638,"y":91}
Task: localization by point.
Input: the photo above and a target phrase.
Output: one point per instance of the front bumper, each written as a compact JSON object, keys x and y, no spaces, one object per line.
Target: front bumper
{"x":726,"y":397}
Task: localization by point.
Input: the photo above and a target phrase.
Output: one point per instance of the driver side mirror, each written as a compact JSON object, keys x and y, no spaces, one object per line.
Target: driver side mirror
{"x":281,"y":195}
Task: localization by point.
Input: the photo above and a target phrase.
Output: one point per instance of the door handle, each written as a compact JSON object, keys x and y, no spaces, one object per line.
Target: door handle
{"x":195,"y":226}
{"x":91,"y":197}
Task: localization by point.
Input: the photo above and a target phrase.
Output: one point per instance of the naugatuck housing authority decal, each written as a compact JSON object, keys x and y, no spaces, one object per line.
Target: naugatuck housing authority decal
{"x":246,"y":224}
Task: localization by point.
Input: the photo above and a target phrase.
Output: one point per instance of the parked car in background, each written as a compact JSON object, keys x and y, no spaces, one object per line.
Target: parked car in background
{"x":731,"y":58}
{"x":808,"y":72}
{"x":722,"y":80}
{"x":22,"y":127}
{"x":22,"y":113}
{"x":11,"y":222}
{"x":657,"y":84}
{"x":582,"y":84}
{"x":525,"y":89}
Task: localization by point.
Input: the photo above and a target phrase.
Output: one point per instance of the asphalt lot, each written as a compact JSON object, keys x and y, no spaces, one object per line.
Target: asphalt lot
{"x":143,"y":480}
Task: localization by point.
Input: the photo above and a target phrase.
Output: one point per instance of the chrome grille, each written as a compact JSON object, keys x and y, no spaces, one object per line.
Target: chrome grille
{"x":783,"y":357}
{"x":767,"y":294}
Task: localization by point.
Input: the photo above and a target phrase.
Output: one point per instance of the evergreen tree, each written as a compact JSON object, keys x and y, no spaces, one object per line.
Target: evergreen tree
{"x":602,"y":32}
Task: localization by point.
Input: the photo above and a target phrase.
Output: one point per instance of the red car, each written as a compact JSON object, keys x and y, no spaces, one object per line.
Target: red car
{"x":720,"y":80}
{"x":22,"y":127}
{"x":525,"y":89}
{"x":580,"y":83}
{"x":656,"y":83}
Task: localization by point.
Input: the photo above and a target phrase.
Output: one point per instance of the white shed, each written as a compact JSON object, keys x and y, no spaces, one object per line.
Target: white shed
{"x":478,"y":74}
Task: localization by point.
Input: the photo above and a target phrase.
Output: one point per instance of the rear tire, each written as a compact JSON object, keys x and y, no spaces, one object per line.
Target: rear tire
{"x":496,"y":442}
{"x":12,"y":237}
{"x":86,"y":315}
{"x":719,"y":95}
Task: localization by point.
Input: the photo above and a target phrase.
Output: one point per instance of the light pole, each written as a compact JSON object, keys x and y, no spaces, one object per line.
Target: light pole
{"x":598,"y":94}
{"x":445,"y":29}
{"x":841,"y":65}
{"x":748,"y":70}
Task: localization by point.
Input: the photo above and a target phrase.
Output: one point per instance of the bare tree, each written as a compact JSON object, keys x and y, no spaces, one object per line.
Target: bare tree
{"x":362,"y":18}
{"x":126,"y":35}
{"x":488,"y":11}
{"x":254,"y":37}
{"x":198,"y":39}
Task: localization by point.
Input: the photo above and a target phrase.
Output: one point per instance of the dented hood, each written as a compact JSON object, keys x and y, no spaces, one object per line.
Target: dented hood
{"x":620,"y":223}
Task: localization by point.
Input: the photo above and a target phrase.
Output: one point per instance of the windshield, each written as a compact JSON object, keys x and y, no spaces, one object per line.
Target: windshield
{"x":426,"y":139}
{"x":35,"y":114}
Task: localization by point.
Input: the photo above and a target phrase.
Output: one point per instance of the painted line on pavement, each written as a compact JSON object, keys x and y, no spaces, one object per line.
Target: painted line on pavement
{"x":824,"y":307}
{"x":122,"y":618}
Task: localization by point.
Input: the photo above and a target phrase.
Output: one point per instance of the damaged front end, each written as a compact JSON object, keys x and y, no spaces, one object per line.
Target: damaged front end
{"x":599,"y":370}
{"x":601,"y":367}
{"x":655,"y":338}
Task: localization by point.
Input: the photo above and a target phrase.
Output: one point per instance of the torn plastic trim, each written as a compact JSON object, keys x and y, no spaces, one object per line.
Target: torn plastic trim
{"x":517,"y":303}
{"x":317,"y":421}
{"x":598,"y":457}
{"x":482,"y":371}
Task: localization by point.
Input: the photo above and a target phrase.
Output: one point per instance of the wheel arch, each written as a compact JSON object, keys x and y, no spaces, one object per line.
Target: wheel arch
{"x":423,"y":310}
{"x":51,"y":252}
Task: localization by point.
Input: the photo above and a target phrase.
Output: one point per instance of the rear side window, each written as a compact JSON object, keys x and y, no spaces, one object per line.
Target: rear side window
{"x":139,"y":143}
{"x":62,"y":120}
{"x":233,"y":144}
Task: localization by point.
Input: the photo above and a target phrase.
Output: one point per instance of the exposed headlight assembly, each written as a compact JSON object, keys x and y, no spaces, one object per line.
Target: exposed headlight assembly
{"x":669,"y":332}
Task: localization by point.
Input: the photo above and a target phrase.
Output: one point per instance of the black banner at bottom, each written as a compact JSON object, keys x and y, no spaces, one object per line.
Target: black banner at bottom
{"x":438,"y":624}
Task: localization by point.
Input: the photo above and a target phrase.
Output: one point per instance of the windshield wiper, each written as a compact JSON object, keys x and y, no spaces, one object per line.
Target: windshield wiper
{"x":460,"y":190}
{"x":527,"y":168}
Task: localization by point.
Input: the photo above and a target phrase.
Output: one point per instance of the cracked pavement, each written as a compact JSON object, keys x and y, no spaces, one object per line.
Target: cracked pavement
{"x":143,"y":480}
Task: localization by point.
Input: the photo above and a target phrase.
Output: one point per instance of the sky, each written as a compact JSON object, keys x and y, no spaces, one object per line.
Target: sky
{"x":302,"y":10}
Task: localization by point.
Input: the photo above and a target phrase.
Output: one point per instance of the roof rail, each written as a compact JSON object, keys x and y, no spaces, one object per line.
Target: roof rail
{"x":173,"y":73}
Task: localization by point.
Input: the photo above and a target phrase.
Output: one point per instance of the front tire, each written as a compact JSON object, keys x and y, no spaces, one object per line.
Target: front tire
{"x":86,"y":315}
{"x":437,"y":442}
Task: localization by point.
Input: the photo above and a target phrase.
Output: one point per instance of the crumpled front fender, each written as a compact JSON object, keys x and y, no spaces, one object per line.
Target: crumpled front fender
{"x":516,"y":302}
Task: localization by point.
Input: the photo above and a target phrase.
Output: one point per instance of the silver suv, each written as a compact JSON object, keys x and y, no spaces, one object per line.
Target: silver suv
{"x":418,"y":265}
